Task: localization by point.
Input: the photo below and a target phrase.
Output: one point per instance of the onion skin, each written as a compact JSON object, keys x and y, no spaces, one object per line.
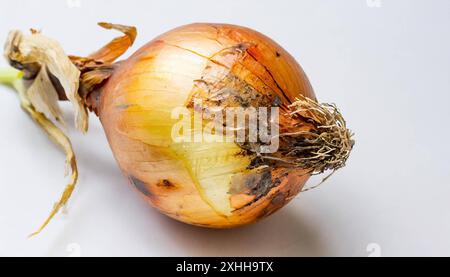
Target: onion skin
{"x":160,"y":77}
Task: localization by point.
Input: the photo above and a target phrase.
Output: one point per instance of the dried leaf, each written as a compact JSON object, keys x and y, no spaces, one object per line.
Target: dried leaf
{"x":46,"y":103}
{"x":57,"y":136}
{"x":118,"y":46}
{"x":98,"y":67}
{"x":42,"y":63}
{"x":49,"y":55}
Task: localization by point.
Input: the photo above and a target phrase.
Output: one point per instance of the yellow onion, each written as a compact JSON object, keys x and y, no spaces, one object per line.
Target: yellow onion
{"x":215,"y":184}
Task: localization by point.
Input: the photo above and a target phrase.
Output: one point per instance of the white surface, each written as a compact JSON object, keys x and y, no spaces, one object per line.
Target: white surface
{"x":388,"y":69}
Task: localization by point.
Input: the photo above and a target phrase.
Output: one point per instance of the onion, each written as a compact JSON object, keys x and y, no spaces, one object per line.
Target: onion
{"x":217,"y":183}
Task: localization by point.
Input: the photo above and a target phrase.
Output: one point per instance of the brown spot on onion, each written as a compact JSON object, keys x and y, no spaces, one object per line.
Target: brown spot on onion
{"x":278,"y":199}
{"x":166,"y":184}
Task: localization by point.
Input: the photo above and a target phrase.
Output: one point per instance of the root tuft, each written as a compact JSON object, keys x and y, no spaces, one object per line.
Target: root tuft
{"x":328,"y":145}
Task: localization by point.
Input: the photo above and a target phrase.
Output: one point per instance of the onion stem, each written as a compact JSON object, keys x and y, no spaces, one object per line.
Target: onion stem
{"x":9,"y":75}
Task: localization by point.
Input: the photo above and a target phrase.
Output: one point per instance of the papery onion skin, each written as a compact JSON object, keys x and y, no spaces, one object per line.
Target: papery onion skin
{"x":135,"y":108}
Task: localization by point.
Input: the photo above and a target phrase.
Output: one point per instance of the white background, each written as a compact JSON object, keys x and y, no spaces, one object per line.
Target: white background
{"x":385,"y":63}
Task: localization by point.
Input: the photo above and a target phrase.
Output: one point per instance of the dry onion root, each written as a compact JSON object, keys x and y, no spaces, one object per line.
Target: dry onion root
{"x":216,"y":183}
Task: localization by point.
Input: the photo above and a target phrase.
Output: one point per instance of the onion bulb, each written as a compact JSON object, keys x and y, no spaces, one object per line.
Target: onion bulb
{"x":156,"y":105}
